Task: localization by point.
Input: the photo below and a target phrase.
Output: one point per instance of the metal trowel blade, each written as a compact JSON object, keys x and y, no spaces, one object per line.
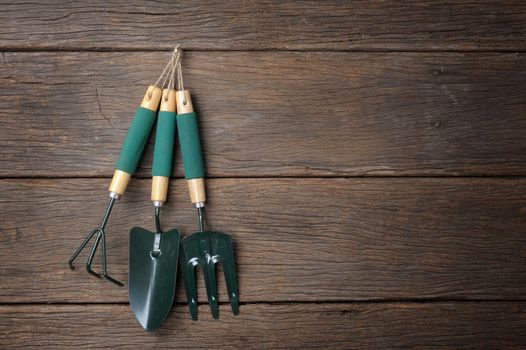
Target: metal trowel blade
{"x":152,"y":276}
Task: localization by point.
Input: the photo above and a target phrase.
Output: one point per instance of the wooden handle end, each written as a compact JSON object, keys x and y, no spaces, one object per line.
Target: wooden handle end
{"x":160,"y":188}
{"x":168,"y":101}
{"x":152,"y":97}
{"x":184,"y":102}
{"x":196,"y":187}
{"x":119,"y":182}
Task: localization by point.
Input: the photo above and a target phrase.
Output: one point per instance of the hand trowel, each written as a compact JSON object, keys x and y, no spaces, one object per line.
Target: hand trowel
{"x":154,"y":255}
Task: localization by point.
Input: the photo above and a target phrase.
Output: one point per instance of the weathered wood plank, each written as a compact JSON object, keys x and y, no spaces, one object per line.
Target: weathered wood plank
{"x":274,"y":114}
{"x":270,"y":24}
{"x":296,"y":239}
{"x":486,"y":325}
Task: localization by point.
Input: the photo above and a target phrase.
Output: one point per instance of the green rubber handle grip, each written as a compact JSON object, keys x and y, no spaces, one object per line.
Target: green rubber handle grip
{"x":164,"y":144}
{"x":133,"y":145}
{"x":190,"y":146}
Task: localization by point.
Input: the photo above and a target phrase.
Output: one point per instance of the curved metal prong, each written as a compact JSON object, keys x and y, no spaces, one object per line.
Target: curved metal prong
{"x":113,"y":280}
{"x":188,"y":274}
{"x":229,"y":270}
{"x":81,"y":247}
{"x":104,"y":268}
{"x":209,"y":274}
{"x":92,"y":255}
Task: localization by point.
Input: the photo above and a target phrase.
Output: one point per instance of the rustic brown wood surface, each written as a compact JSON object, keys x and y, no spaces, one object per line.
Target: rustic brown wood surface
{"x":269,"y":24}
{"x":334,"y":326}
{"x":274,"y":114}
{"x":368,"y":158}
{"x":296,"y":239}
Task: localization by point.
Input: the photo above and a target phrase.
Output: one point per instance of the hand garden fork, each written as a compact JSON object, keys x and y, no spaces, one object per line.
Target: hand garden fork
{"x":202,"y":248}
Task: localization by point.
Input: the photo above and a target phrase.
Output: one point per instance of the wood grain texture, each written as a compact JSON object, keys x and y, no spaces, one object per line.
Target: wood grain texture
{"x":297,"y":101}
{"x":486,"y":325}
{"x":274,"y":114}
{"x":296,"y":239}
{"x":270,"y":24}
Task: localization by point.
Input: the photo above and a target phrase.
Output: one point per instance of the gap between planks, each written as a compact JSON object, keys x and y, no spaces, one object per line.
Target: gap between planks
{"x":266,"y":177}
{"x":294,"y":302}
{"x":52,"y":49}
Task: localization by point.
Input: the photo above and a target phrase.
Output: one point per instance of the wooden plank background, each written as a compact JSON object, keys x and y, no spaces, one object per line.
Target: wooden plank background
{"x":386,"y":239}
{"x":368,"y":158}
{"x":290,"y":113}
{"x":334,"y":326}
{"x":265,"y":25}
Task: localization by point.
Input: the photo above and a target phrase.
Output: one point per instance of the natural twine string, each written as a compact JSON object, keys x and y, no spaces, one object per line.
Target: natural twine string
{"x":173,"y":68}
{"x":180,"y":83}
{"x":175,"y":61}
{"x":165,"y":70}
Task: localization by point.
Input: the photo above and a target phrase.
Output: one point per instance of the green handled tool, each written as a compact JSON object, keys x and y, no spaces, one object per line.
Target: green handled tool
{"x":126,"y":165}
{"x":202,"y":248}
{"x":154,"y":255}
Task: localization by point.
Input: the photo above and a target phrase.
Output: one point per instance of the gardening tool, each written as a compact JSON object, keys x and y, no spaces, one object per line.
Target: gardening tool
{"x":154,"y":255}
{"x":202,"y":248}
{"x":125,"y":166}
